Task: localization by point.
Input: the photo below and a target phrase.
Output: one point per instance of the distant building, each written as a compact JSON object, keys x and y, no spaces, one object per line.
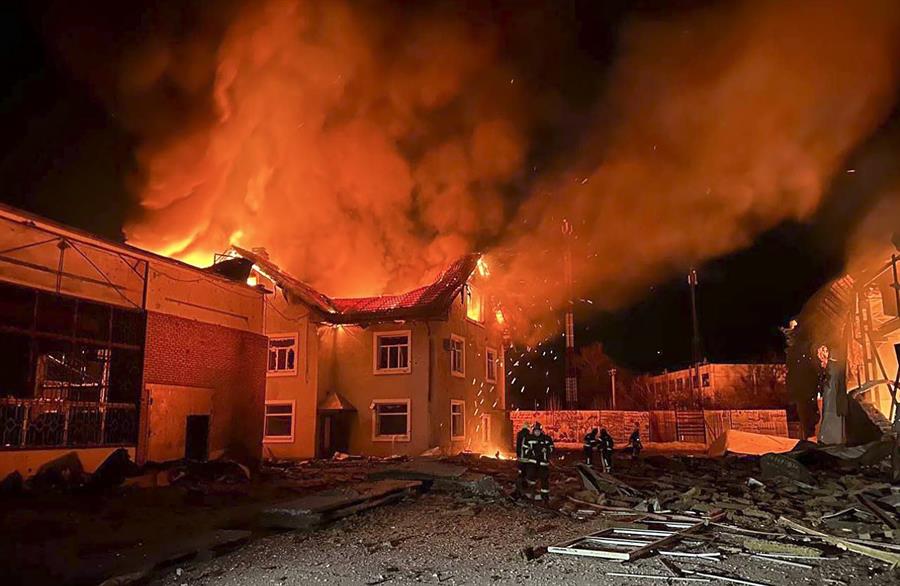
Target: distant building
{"x":396,"y":374}
{"x":103,"y":345}
{"x":722,"y":386}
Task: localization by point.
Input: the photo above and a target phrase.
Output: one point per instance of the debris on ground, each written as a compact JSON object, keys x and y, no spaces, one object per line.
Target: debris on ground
{"x":319,"y":508}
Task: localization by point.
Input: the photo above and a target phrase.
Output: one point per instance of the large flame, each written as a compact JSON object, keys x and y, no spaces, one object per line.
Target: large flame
{"x":366,"y":145}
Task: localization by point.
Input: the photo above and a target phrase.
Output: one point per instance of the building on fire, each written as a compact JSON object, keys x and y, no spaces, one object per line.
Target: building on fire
{"x":103,"y":345}
{"x":397,"y":374}
{"x":857,"y":317}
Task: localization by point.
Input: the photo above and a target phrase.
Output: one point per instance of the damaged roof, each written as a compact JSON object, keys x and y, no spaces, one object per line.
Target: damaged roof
{"x":293,"y":288}
{"x":430,"y":301}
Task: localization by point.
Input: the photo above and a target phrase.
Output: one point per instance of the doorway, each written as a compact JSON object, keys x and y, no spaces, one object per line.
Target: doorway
{"x":196,"y":438}
{"x":334,"y":433}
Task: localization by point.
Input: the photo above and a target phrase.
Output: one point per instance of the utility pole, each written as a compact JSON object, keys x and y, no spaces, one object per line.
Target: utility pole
{"x":612,"y":376}
{"x":571,"y":373}
{"x":695,"y":341}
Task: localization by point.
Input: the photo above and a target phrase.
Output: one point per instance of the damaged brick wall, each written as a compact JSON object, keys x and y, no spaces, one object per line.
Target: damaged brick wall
{"x":231,"y":362}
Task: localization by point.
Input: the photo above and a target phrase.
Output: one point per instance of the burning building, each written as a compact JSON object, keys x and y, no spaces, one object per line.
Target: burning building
{"x":856,"y":317}
{"x":106,"y":346}
{"x":394,"y":374}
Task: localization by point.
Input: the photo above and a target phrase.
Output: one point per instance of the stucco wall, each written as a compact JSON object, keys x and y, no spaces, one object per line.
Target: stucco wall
{"x":351,"y":374}
{"x":28,"y":462}
{"x":481,"y":397}
{"x":302,"y":387}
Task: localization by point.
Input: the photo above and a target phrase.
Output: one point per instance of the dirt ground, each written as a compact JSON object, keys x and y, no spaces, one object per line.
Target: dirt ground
{"x":440,"y":539}
{"x":208,"y":533}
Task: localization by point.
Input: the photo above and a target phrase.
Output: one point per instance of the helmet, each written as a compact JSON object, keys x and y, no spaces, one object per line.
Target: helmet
{"x":537,"y":426}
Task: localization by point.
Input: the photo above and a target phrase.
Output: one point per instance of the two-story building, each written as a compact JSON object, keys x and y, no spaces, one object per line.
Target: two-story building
{"x":396,"y":374}
{"x":722,"y":386}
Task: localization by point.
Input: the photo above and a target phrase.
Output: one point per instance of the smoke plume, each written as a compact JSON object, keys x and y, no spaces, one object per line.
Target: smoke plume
{"x":366,"y":145}
{"x":717,"y":126}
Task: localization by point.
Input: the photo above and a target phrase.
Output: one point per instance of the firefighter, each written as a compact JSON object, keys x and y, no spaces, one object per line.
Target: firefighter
{"x":635,"y":441}
{"x":524,"y":459}
{"x":590,"y":442}
{"x":541,"y":450}
{"x":606,"y":449}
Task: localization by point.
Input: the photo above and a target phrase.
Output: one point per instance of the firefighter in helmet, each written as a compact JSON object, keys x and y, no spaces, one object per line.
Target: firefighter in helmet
{"x":541,"y":449}
{"x":524,"y":459}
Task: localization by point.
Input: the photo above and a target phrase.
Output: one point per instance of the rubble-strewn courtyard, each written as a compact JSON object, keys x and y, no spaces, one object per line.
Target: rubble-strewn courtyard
{"x":452,"y":521}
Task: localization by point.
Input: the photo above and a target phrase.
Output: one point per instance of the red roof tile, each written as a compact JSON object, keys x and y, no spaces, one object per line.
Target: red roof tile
{"x":429,"y":301}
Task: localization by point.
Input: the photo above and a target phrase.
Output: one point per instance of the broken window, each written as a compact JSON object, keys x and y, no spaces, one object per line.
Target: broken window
{"x":70,"y":370}
{"x":279,"y":424}
{"x":490,"y":366}
{"x":474,"y":304}
{"x":457,"y":419}
{"x":705,"y":379}
{"x":457,"y":355}
{"x":392,"y":352}
{"x":282,"y":355}
{"x":391,"y":421}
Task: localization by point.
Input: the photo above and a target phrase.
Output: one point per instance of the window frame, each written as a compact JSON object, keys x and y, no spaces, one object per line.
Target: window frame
{"x":280,"y":439}
{"x":487,"y":362}
{"x":469,"y":293}
{"x":282,"y":336}
{"x":462,"y":413}
{"x":376,"y":336}
{"x":395,"y":437}
{"x":462,"y":340}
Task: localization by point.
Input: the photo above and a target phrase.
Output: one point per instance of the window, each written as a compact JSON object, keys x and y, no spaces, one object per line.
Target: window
{"x":474,"y":305}
{"x":282,"y":355}
{"x":392,"y":352}
{"x":679,"y":384}
{"x":705,"y":379}
{"x":457,"y":355}
{"x":391,"y":420}
{"x":490,"y":365}
{"x":457,"y":419}
{"x":279,"y":425}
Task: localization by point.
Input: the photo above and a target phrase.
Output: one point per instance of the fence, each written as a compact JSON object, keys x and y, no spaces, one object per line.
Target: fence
{"x":568,"y":428}
{"x":32,"y":423}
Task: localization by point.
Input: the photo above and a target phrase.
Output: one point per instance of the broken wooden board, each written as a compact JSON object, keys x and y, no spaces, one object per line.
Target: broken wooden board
{"x":600,"y":482}
{"x":334,"y":504}
{"x":888,"y":557}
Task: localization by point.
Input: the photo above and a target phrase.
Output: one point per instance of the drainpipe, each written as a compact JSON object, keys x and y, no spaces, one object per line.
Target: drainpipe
{"x":431,"y":420}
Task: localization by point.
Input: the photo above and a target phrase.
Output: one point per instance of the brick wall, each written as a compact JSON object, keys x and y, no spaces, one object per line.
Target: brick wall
{"x":231,"y":362}
{"x":568,"y":428}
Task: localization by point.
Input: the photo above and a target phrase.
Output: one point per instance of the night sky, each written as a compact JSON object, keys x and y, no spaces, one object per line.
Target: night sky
{"x":64,"y":155}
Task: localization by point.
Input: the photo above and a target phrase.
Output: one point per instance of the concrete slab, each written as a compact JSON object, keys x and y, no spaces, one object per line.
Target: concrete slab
{"x":332,"y":504}
{"x":421,"y":470}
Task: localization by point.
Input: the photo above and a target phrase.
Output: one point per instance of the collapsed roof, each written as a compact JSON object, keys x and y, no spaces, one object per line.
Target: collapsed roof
{"x":430,"y":301}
